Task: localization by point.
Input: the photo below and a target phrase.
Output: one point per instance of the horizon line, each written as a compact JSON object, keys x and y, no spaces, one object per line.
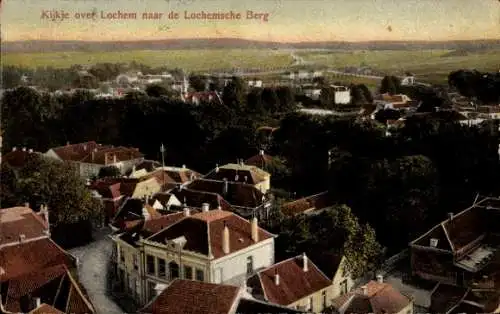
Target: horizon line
{"x":256,"y":40}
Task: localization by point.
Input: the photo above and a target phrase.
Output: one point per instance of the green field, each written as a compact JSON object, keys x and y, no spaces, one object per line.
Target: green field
{"x":428,"y":65}
{"x":190,"y":60}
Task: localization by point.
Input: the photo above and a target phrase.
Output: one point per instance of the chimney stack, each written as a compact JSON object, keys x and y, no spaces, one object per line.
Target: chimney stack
{"x":45,"y":212}
{"x":14,"y":149}
{"x":30,"y":150}
{"x":24,"y":149}
{"x":22,"y":237}
{"x":216,"y":168}
{"x":205,"y":207}
{"x":255,"y":230}
{"x":380,"y":278}
{"x":305,"y":261}
{"x":27,"y":204}
{"x":225,"y":239}
{"x":187,"y":212}
{"x":37,"y":302}
{"x":365,"y":290}
{"x":183,"y":166}
{"x":226,"y":186}
{"x":261,"y":152}
{"x":114,"y":158}
{"x":450,"y":216}
{"x":276,"y":278}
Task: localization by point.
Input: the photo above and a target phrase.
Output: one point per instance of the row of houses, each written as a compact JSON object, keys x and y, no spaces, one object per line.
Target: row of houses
{"x":36,"y":275}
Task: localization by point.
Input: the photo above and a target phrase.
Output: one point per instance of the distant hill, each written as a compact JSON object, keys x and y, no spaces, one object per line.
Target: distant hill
{"x":55,"y":46}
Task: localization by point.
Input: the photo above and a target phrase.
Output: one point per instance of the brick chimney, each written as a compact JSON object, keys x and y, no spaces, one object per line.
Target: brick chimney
{"x":305,"y":261}
{"x":187,"y":212}
{"x":225,"y":239}
{"x":276,"y":277}
{"x":255,"y":230}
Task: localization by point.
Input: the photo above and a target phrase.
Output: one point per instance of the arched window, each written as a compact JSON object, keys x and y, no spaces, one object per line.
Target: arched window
{"x":174,"y":270}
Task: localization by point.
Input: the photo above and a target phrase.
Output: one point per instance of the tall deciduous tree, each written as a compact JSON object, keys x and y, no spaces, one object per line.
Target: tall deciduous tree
{"x":56,"y":184}
{"x":391,"y":85}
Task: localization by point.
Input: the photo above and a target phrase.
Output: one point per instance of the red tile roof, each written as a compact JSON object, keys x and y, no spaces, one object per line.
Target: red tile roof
{"x":294,"y":282}
{"x":91,"y":152}
{"x":306,"y":204}
{"x":48,"y":284}
{"x":15,"y":221}
{"x":31,"y":256}
{"x":194,"y":297}
{"x":259,"y":160}
{"x":380,"y":298}
{"x":238,"y":173}
{"x":193,"y":198}
{"x":203,"y":232}
{"x":238,"y":194}
{"x":18,"y":158}
{"x":45,"y":309}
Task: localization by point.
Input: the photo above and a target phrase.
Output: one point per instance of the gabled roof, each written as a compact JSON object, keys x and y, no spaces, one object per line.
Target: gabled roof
{"x":190,"y":297}
{"x":53,"y":285}
{"x":31,"y":256}
{"x":182,"y":174}
{"x":193,"y":198}
{"x":203,"y":232}
{"x":380,"y":298}
{"x":306,"y":204}
{"x":459,"y":231}
{"x":45,"y":309}
{"x":259,"y":160}
{"x":91,"y":152}
{"x":238,"y":194}
{"x":294,"y":282}
{"x":238,"y":173}
{"x":15,"y":221}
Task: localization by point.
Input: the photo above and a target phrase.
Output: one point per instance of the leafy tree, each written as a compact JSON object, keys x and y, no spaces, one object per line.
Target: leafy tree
{"x":358,"y":95}
{"x":286,"y":99}
{"x":391,"y":85}
{"x":57,"y":184}
{"x":335,"y":230}
{"x":387,"y":114}
{"x":270,"y":99}
{"x":155,"y":90}
{"x":109,"y":171}
{"x":327,"y":97}
{"x":8,"y":187}
{"x":234,"y":94}
{"x":197,"y":82}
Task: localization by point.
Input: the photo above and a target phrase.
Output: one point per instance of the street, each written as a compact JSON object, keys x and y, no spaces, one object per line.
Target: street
{"x":92,"y":271}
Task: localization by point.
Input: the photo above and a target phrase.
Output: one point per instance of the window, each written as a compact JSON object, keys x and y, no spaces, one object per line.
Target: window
{"x":188,"y":272}
{"x":249,"y":265}
{"x":150,"y":262}
{"x":174,"y":270}
{"x":162,"y":272}
{"x":151,"y":290}
{"x":323,"y":294}
{"x":200,"y":276}
{"x":343,"y":287}
{"x":136,"y":262}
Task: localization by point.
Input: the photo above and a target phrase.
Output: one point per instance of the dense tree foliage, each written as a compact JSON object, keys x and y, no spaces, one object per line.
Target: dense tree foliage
{"x":109,"y":171}
{"x":335,"y":230}
{"x":390,"y":85}
{"x":484,"y":87}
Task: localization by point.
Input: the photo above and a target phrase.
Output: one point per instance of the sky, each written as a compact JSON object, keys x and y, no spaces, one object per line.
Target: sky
{"x":288,"y":20}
